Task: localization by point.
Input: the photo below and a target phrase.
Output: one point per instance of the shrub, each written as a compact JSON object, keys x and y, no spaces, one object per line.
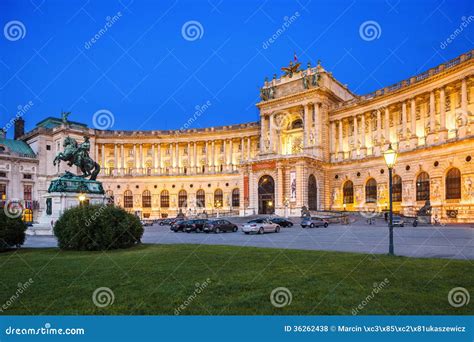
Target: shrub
{"x":12,"y":231}
{"x":97,"y":227}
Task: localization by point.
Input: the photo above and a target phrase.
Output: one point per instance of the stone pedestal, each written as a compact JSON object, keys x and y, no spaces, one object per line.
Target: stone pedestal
{"x":55,"y":204}
{"x":442,"y":135}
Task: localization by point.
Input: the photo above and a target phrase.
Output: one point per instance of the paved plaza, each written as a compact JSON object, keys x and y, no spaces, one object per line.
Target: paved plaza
{"x":455,"y":241}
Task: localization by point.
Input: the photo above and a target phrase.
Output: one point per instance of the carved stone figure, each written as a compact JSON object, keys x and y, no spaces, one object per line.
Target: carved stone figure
{"x":315,"y":79}
{"x":305,"y":82}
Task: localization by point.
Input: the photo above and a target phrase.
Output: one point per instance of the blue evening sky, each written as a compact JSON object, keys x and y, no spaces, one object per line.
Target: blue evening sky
{"x":144,"y":71}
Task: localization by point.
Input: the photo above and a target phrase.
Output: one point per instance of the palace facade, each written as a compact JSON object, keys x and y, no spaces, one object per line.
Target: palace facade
{"x":316,"y":145}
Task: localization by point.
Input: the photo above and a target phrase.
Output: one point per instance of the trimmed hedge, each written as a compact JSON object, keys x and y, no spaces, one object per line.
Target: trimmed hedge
{"x":97,"y":227}
{"x":12,"y":231}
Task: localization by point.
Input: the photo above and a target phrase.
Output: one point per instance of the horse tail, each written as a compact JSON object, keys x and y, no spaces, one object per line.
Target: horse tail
{"x":96,"y":171}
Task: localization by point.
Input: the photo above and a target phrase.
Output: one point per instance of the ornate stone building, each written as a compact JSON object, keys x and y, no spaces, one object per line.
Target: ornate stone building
{"x":316,"y":144}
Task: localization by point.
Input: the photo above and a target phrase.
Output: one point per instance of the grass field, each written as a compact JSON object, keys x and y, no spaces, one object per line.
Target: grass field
{"x":159,"y":279}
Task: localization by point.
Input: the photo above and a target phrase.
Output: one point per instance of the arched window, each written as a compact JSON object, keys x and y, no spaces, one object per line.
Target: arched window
{"x":312,"y":193}
{"x":397,"y":188}
{"x":182,"y":199}
{"x":146,"y":199}
{"x":200,"y":199}
{"x":235,"y":198}
{"x":348,"y":192}
{"x":128,"y":199}
{"x":453,"y":184}
{"x":218,"y":198}
{"x":423,"y":187}
{"x":371,"y":191}
{"x":165,"y":199}
{"x":298,"y":123}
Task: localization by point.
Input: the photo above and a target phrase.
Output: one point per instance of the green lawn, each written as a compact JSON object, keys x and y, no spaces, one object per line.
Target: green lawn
{"x":157,"y":279}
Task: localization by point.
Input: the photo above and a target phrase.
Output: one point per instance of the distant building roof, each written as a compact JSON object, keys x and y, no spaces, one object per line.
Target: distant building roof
{"x":16,"y":147}
{"x":55,"y":122}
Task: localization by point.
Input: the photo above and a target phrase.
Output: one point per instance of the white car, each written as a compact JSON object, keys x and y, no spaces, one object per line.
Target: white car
{"x":260,"y":226}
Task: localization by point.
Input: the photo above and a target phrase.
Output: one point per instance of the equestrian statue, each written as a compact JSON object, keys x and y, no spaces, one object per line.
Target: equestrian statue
{"x":78,"y":155}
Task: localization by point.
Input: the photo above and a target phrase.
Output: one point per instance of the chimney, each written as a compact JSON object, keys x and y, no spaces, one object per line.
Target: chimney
{"x":19,"y":128}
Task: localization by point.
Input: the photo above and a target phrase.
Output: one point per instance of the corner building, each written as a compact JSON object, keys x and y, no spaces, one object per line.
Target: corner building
{"x":316,"y":144}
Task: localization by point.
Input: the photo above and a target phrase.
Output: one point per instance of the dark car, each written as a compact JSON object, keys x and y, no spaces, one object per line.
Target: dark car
{"x":195,"y":225}
{"x":166,"y":222}
{"x":312,"y":222}
{"x":282,"y":222}
{"x":219,"y":225}
{"x":177,"y":225}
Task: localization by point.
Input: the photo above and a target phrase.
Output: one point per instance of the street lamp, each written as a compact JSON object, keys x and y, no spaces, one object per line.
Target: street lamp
{"x":390,"y":157}
{"x":82,"y":198}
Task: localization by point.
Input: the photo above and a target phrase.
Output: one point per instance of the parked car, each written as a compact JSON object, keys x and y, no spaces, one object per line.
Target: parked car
{"x":312,"y":222}
{"x":282,"y":222}
{"x":260,"y":226}
{"x":219,"y":225}
{"x":195,"y":225}
{"x":177,"y":225}
{"x":397,"y":221}
{"x":166,"y":222}
{"x":146,"y":223}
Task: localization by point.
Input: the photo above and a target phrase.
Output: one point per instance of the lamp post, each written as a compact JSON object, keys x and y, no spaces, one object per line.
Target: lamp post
{"x":82,"y":199}
{"x":390,"y":157}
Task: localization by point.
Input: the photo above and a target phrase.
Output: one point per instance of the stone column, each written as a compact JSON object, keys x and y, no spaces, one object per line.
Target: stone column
{"x":194,"y":160}
{"x":96,"y":153}
{"x":379,"y":127}
{"x":464,"y":120}
{"x":249,"y":148}
{"x":135,"y":156}
{"x":213,"y":161}
{"x":116,"y":160}
{"x":306,"y":122}
{"x":103,"y":156}
{"x":171,"y":149}
{"x":333,"y":139}
{"x":262,"y":134}
{"x":243,"y":156}
{"x":354,"y":151}
{"x":443,"y":133}
{"x":231,"y":154}
{"x":341,"y":144}
{"x":122,"y":159}
{"x":272,"y":134}
{"x":363,"y":147}
{"x":177,"y":157}
{"x":404,"y":120}
{"x":413,"y":137}
{"x":141,"y":159}
{"x":318,"y":128}
{"x":387,"y":126}
{"x":160,"y":160}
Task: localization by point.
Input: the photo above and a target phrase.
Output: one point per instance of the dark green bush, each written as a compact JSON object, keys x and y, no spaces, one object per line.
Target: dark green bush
{"x":97,"y":227}
{"x":12,"y":231}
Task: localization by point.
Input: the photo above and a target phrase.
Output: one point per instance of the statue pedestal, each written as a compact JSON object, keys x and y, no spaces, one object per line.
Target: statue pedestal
{"x":63,"y":193}
{"x":55,"y":204}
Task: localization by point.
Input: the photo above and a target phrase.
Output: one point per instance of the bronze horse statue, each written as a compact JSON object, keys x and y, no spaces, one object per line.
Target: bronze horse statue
{"x":78,"y":155}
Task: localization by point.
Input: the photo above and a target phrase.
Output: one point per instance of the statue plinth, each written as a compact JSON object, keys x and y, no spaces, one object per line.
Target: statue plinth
{"x":75,"y":184}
